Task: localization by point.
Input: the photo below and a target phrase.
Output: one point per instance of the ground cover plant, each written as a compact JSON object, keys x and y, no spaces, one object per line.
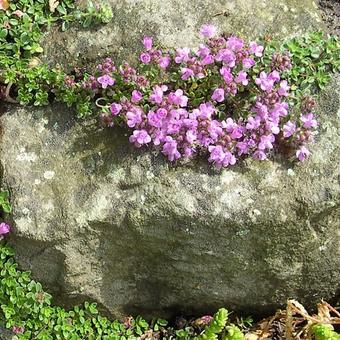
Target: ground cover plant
{"x":227,"y":99}
{"x":22,"y":23}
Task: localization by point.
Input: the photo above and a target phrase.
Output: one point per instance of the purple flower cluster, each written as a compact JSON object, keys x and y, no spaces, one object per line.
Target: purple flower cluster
{"x":18,"y":329}
{"x":4,"y":229}
{"x":218,"y":98}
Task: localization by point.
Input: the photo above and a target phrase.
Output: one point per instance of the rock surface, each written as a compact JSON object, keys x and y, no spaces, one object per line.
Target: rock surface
{"x":96,"y":219}
{"x":177,"y":23}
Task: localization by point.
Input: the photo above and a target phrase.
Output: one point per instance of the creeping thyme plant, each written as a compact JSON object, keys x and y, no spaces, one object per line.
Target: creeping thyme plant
{"x":219,"y":99}
{"x":226,"y":99}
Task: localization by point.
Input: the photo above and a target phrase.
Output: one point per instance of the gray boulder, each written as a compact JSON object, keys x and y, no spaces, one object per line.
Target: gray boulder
{"x":96,"y":219}
{"x":177,"y":23}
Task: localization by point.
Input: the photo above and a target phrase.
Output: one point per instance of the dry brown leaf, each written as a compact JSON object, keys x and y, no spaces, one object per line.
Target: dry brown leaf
{"x":4,"y":4}
{"x":297,"y":307}
{"x":53,"y":5}
{"x":289,"y":320}
{"x":323,"y":312}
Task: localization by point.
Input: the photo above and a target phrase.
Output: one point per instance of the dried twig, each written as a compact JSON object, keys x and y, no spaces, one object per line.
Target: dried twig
{"x":225,"y":13}
{"x":8,"y":98}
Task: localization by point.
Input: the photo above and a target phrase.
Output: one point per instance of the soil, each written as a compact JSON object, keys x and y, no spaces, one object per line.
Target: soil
{"x":331,"y":14}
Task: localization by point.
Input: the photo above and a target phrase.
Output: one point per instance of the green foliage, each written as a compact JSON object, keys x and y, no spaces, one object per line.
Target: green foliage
{"x":324,"y":332}
{"x":23,"y":24}
{"x":93,"y":15}
{"x":21,"y":35}
{"x":314,"y":56}
{"x":216,"y":326}
{"x":233,"y":333}
{"x":245,"y":322}
{"x":4,"y":202}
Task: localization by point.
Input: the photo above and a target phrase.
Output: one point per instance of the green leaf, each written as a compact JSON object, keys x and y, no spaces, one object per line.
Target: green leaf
{"x":65,"y":25}
{"x":3,"y":33}
{"x":7,"y":208}
{"x":61,"y":9}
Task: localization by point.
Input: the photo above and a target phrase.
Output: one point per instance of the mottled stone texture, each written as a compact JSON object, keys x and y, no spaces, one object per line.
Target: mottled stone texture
{"x":177,"y":23}
{"x":95,"y":218}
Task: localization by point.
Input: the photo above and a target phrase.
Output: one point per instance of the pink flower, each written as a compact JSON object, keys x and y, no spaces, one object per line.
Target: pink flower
{"x":147,"y":42}
{"x":157,"y":94}
{"x":207,"y":60}
{"x":155,"y":118}
{"x":215,"y":129}
{"x":229,"y":159}
{"x":226,"y":74}
{"x":140,"y":137}
{"x":106,"y":81}
{"x":4,"y":228}
{"x":242,"y":78}
{"x":208,"y":31}
{"x":242,"y":147}
{"x":302,"y":153}
{"x":182,"y":54}
{"x":272,"y":126}
{"x":232,"y":128}
{"x":266,"y":142}
{"x":253,"y":123}
{"x":115,"y":108}
{"x":265,"y":83}
{"x":178,"y":98}
{"x":227,"y":56}
{"x":145,"y":58}
{"x":259,"y":155}
{"x":203,"y":51}
{"x":206,"y":110}
{"x":136,"y":96}
{"x":256,"y":49}
{"x":309,"y":121}
{"x":280,"y":110}
{"x":186,"y":73}
{"x":164,"y":62}
{"x":261,"y":110}
{"x":235,"y":44}
{"x":191,"y":136}
{"x":218,"y":95}
{"x":134,"y":118}
{"x":18,"y":13}
{"x":289,"y":129}
{"x":284,"y":88}
{"x":170,"y":149}
{"x":248,"y":63}
{"x":216,"y":155}
{"x":18,"y":329}
{"x":274,"y":76}
{"x":219,"y":157}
